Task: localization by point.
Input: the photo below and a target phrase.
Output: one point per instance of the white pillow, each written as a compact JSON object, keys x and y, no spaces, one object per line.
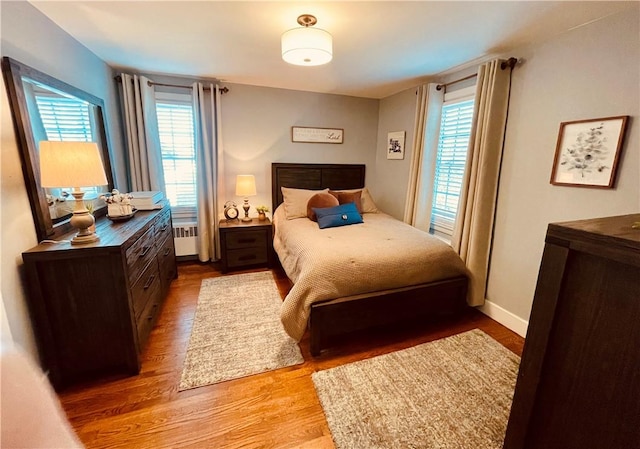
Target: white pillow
{"x":368,"y":206}
{"x":295,"y":201}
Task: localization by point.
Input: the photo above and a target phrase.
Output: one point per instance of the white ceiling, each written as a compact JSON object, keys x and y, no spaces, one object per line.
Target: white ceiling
{"x":380,"y":47}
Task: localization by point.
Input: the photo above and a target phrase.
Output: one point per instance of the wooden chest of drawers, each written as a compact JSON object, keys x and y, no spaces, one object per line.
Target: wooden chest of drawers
{"x":245,"y":244}
{"x":93,"y":306}
{"x":579,"y":380}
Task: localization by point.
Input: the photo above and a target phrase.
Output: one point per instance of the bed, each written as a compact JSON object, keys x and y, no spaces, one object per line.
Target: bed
{"x":321,"y":303}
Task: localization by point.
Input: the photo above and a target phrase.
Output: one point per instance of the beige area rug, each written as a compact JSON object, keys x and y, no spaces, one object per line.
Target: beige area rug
{"x":450,"y":393}
{"x":237,"y":331}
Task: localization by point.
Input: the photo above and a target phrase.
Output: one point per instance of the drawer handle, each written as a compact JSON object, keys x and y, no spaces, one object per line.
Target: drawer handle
{"x":246,"y":240}
{"x":247,"y":257}
{"x":149,"y":281}
{"x":145,"y":250}
{"x":167,"y":251}
{"x":153,"y":312}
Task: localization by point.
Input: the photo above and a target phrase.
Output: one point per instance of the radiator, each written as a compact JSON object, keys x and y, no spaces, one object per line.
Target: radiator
{"x":184,"y":238}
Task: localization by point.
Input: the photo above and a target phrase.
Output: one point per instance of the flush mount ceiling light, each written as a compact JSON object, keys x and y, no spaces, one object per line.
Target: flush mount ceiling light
{"x":307,"y":45}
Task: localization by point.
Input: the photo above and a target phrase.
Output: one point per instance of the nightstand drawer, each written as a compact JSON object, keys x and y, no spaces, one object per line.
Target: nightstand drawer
{"x":247,"y":256}
{"x":246,"y":239}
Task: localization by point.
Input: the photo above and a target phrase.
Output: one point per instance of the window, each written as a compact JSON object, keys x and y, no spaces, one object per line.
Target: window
{"x":66,"y":119}
{"x":453,"y":143}
{"x":175,"y":125}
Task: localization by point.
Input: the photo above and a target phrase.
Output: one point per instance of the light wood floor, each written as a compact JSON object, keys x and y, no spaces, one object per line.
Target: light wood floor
{"x":278,"y":409}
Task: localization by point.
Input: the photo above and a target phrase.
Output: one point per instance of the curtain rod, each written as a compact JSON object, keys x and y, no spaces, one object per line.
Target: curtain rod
{"x":223,"y":90}
{"x":511,"y":62}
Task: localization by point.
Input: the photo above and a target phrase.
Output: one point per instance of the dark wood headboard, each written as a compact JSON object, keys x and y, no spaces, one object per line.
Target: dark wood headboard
{"x":314,"y":177}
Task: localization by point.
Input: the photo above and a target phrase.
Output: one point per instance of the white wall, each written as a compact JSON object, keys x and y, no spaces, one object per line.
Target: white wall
{"x":31,"y":38}
{"x":397,"y":113}
{"x":256,"y":130}
{"x":590,"y":72}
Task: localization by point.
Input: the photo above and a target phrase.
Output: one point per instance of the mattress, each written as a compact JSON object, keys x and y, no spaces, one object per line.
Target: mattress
{"x":381,"y":253}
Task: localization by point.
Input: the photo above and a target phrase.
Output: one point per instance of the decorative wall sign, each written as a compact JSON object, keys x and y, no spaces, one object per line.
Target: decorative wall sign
{"x":587,"y":152}
{"x":316,"y":135}
{"x":395,"y":145}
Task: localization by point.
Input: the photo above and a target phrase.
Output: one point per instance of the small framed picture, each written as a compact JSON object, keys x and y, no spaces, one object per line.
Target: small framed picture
{"x":395,"y":145}
{"x":588,"y":151}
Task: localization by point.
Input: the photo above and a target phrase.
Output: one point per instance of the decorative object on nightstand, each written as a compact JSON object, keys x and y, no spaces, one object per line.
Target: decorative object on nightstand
{"x":246,"y":186}
{"x":73,"y":164}
{"x":231,"y":211}
{"x":262,"y":212}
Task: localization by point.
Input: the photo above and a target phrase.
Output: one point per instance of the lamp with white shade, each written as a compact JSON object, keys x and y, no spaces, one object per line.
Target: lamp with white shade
{"x":73,"y":164}
{"x":246,"y":186}
{"x":306,"y":45}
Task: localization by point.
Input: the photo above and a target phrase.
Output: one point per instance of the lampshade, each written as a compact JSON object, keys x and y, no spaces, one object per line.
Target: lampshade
{"x":71,"y":164}
{"x":245,"y":185}
{"x":306,"y":45}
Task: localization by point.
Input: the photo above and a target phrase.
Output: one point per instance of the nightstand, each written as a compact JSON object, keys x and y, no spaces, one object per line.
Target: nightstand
{"x":246,"y":244}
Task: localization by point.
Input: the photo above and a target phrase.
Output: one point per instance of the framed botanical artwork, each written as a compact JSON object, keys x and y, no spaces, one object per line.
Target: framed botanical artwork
{"x":588,"y":151}
{"x":395,"y":145}
{"x":316,"y":135}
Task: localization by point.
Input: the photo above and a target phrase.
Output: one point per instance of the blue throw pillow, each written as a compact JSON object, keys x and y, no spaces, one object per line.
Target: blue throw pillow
{"x":344,"y":214}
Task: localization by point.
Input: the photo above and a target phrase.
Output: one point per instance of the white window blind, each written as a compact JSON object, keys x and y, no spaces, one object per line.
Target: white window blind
{"x":175,"y":124}
{"x":65,"y":119}
{"x":455,"y":130}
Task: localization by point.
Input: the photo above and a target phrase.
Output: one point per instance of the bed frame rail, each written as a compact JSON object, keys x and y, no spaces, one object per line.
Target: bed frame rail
{"x":331,"y":319}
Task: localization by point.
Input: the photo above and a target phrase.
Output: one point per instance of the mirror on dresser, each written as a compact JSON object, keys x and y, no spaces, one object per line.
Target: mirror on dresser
{"x":45,"y":108}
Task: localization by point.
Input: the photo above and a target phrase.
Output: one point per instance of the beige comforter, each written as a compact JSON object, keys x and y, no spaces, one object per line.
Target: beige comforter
{"x":381,"y":253}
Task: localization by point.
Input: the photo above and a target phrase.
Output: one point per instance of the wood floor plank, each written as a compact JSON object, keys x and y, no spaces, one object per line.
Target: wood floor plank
{"x":278,"y":409}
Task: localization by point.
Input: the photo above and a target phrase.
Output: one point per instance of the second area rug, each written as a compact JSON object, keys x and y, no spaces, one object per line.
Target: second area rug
{"x":237,"y":331}
{"x":446,"y":394}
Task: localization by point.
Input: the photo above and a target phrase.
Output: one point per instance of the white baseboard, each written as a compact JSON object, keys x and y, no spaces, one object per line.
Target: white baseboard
{"x":504,"y":317}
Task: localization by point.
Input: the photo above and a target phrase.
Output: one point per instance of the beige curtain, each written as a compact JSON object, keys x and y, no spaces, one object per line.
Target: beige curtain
{"x":417,"y":210}
{"x":143,"y":139}
{"x":473,"y":232}
{"x":209,"y":168}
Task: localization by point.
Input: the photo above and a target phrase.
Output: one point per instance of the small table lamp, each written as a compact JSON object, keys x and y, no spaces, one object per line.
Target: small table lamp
{"x":246,"y":186}
{"x":73,"y":164}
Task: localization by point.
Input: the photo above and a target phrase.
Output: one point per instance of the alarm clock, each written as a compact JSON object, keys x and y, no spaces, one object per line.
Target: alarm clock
{"x":231,"y":210}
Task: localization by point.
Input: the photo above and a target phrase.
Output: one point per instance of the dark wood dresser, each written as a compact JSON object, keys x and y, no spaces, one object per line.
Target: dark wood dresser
{"x":579,"y":380}
{"x":93,"y":306}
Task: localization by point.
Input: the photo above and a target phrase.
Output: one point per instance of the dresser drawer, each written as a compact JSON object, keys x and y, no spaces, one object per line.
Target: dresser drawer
{"x":146,"y":289}
{"x":162,"y":226}
{"x":246,"y":239}
{"x":147,"y":319}
{"x":139,"y":255}
{"x":167,"y":263}
{"x":247,"y":256}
